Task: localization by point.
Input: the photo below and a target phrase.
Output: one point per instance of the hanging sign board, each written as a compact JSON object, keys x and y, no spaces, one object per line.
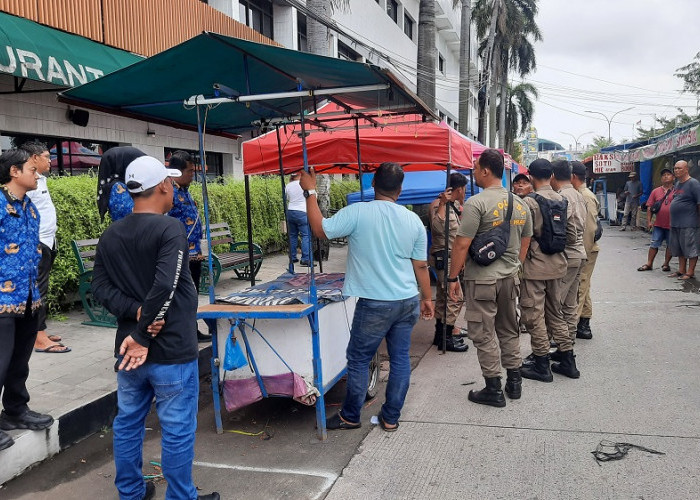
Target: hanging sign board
{"x":606,"y":163}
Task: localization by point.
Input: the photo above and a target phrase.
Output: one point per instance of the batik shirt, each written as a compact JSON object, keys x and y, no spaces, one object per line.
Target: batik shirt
{"x":120,"y":202}
{"x":185,"y":210}
{"x":20,"y":254}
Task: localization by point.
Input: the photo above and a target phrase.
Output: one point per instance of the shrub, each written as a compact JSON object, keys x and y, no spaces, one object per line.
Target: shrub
{"x":78,"y":219}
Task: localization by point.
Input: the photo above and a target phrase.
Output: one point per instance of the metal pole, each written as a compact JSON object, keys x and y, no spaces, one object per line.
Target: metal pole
{"x":446,"y":267}
{"x":313,"y":299}
{"x":284,"y":198}
{"x":359,"y":157}
{"x":205,"y":199}
{"x":249,"y":223}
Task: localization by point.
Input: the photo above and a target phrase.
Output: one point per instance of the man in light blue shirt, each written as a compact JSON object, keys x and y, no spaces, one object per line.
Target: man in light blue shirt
{"x":387,"y":264}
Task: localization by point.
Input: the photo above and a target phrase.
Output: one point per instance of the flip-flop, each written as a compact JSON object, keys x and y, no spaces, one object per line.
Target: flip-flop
{"x":645,"y":267}
{"x":336,"y":422}
{"x":55,"y":338}
{"x":383,"y":424}
{"x":686,"y":277}
{"x":675,"y":275}
{"x":665,"y":268}
{"x":52,"y":349}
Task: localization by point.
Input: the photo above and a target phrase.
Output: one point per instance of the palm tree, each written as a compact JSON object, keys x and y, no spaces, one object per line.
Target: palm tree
{"x":465,"y":39}
{"x":519,"y":110}
{"x":427,"y":52}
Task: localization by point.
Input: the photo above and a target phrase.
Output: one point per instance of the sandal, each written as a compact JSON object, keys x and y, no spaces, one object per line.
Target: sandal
{"x":645,"y":267}
{"x":384,"y":425}
{"x":665,"y":268}
{"x":337,"y":422}
{"x":675,"y":275}
{"x":54,"y":349}
{"x":686,"y":277}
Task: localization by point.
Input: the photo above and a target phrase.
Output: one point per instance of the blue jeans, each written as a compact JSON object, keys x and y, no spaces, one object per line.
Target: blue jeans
{"x":176,"y":389}
{"x":373,"y":321}
{"x":299,"y":225}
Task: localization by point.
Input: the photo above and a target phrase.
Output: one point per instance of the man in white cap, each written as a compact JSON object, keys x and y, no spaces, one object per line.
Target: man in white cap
{"x":142,"y":277}
{"x":632,"y":193}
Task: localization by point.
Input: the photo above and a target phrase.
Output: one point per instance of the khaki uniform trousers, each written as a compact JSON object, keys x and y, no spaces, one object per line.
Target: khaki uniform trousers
{"x":540,"y":302}
{"x":492,"y":325}
{"x":585,"y":306}
{"x":453,"y":307}
{"x":569,"y":295}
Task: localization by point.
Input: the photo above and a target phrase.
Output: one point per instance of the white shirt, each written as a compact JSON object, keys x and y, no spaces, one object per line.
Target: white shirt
{"x":295,"y":197}
{"x":47,"y":212}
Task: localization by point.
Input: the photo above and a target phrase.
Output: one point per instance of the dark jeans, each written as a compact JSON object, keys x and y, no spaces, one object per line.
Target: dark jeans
{"x":45,"y":265}
{"x":299,"y":226}
{"x":373,"y":321}
{"x":196,"y":272}
{"x":17,"y":336}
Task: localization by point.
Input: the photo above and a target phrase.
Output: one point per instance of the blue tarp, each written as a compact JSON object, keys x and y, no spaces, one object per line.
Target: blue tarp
{"x":418,"y":187}
{"x":646,"y":175}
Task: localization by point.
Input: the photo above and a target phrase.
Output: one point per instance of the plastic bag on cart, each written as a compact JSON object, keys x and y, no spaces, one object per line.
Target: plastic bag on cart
{"x":234,"y":358}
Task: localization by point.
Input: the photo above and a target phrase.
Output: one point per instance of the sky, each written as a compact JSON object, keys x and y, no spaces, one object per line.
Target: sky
{"x":606,"y":56}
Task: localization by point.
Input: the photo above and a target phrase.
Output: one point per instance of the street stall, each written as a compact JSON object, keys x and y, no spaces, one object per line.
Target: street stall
{"x":233,"y":86}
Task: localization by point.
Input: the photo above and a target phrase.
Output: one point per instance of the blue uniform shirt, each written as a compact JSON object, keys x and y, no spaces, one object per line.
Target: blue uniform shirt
{"x":383,"y":238}
{"x":20,"y":255}
{"x":120,"y":202}
{"x":185,"y":210}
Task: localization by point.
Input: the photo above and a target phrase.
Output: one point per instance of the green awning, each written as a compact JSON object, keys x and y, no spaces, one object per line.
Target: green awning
{"x":156,"y":89}
{"x":31,"y":50}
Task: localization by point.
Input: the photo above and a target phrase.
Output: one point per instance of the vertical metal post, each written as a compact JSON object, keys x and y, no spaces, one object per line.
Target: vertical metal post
{"x":359,"y":157}
{"x":446,"y":260}
{"x":205,"y":198}
{"x":290,"y":268}
{"x":249,"y":224}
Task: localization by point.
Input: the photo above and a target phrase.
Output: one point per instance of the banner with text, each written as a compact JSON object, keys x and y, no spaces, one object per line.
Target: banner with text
{"x":607,"y":163}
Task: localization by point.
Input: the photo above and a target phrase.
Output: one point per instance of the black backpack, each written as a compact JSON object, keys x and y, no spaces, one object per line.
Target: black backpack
{"x":487,"y":247}
{"x":553,"y":237}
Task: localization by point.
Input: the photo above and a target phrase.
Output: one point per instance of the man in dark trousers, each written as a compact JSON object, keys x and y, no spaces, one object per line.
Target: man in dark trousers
{"x":19,"y":292}
{"x":142,"y":277}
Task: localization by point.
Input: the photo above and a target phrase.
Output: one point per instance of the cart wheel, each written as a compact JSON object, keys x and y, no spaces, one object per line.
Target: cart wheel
{"x":373,"y":377}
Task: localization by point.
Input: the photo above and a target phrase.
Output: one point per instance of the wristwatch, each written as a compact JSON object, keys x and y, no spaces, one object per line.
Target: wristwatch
{"x":453,"y":280}
{"x":309,"y":192}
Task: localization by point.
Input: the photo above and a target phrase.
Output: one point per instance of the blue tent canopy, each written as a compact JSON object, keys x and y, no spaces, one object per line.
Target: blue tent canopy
{"x":418,"y":187}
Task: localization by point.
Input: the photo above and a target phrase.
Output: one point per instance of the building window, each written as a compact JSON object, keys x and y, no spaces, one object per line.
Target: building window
{"x":345,"y":52}
{"x":215,"y":163}
{"x":256,"y":14}
{"x":392,"y":8}
{"x":302,"y":43}
{"x":408,"y":24}
{"x":441,"y":63}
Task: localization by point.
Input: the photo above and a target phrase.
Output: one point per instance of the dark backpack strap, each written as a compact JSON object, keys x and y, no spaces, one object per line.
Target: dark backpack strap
{"x":510,"y":207}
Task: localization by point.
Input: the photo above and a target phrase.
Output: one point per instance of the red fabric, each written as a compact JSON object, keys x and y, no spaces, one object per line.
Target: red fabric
{"x":663,"y":217}
{"x":415,"y":146}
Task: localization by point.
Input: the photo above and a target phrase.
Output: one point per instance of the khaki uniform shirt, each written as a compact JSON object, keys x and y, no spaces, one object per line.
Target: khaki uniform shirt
{"x":437,"y":228}
{"x":485,"y":211}
{"x":593,"y":208}
{"x":576,"y":223}
{"x":539,"y":265}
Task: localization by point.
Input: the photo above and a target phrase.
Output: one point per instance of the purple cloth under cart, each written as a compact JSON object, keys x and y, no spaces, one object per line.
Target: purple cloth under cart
{"x":242,"y":392}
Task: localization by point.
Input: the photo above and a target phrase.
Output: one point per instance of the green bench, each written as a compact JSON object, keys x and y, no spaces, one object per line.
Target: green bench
{"x":84,"y":251}
{"x":231,"y":255}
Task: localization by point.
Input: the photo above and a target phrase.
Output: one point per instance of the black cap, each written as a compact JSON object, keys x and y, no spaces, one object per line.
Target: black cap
{"x":540,"y":168}
{"x":521,"y":177}
{"x":578,"y":168}
{"x":664,"y":170}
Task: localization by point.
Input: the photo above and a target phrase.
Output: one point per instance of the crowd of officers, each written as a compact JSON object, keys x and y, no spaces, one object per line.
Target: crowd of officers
{"x":547,"y":295}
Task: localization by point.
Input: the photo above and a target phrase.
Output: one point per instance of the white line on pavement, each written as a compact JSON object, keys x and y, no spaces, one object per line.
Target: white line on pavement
{"x":330,"y":477}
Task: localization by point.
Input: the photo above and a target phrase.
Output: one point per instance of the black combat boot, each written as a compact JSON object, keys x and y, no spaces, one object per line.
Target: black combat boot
{"x":556,"y":355}
{"x":437,"y":340}
{"x":514,"y":384}
{"x":567,"y":365}
{"x":529,"y":360}
{"x":491,"y":395}
{"x":453,"y":344}
{"x":583,"y":329}
{"x":539,"y":370}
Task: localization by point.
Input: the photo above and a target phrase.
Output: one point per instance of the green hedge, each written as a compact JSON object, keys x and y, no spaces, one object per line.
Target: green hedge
{"x":78,"y":219}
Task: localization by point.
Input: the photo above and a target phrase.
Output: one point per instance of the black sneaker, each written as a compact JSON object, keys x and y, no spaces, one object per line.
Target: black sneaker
{"x":211,"y":496}
{"x":150,"y":491}
{"x":28,"y":420}
{"x":5,"y":440}
{"x":203,"y":337}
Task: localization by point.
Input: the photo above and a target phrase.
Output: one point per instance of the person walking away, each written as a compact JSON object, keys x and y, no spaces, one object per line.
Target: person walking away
{"x":297,"y":222}
{"x":112,"y":195}
{"x":659,"y":224}
{"x":20,"y":299}
{"x":141,"y":276}
{"x":387,"y":255}
{"x":41,"y":159}
{"x":585,"y":305}
{"x":632,"y":193}
{"x":684,"y":221}
{"x":492,"y":290}
{"x":185,"y":210}
{"x":575,"y":257}
{"x":543,"y":270}
{"x":439,"y":260}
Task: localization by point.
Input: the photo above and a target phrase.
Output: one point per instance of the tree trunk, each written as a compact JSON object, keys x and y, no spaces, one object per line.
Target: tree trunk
{"x":427,"y":53}
{"x":493,"y":96}
{"x":482,"y":98}
{"x":465,"y":40}
{"x":491,"y":51}
{"x":504,"y":105}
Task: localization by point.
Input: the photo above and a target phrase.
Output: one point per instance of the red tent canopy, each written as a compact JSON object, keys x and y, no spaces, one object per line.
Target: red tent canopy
{"x":405,"y":140}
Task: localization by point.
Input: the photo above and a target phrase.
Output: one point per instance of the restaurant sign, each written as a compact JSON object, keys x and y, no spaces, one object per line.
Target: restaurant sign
{"x":607,"y":163}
